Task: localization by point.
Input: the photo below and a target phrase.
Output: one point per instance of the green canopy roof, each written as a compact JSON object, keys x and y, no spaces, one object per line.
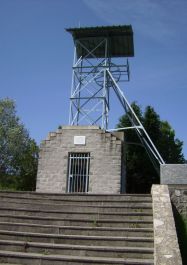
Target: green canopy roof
{"x":120,"y":40}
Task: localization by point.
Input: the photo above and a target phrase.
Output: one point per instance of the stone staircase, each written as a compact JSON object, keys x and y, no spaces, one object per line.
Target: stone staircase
{"x":57,"y":229}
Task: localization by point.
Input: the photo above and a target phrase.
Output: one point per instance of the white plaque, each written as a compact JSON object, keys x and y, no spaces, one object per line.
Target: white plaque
{"x":80,"y":140}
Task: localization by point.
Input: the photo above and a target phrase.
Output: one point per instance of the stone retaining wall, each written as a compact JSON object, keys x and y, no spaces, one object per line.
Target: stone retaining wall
{"x":166,"y":247}
{"x":178,"y":195}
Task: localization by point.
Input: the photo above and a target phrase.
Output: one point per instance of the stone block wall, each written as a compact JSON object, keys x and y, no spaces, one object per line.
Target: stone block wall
{"x":106,"y":169}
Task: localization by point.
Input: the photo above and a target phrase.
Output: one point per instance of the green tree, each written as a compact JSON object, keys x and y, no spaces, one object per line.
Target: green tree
{"x":18,"y":152}
{"x":140,"y":171}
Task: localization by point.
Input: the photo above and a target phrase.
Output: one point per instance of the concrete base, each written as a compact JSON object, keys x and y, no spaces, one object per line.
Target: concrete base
{"x":173,"y":174}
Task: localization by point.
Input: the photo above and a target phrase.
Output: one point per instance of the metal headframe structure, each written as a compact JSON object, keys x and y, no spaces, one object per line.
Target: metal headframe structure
{"x":99,"y":65}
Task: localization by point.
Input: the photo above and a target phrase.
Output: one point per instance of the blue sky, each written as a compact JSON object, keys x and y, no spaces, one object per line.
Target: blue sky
{"x":36,"y":55}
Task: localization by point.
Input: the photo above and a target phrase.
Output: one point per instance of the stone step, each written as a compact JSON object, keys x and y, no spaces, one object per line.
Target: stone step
{"x":76,"y":230}
{"x":77,"y":196}
{"x":77,"y":250}
{"x":9,"y":263}
{"x":55,"y":229}
{"x":84,"y":214}
{"x":78,"y":202}
{"x":132,"y":223}
{"x":136,"y":207}
{"x":77,"y":239}
{"x":42,"y":259}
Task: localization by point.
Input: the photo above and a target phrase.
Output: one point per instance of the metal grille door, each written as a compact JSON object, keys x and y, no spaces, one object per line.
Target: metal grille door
{"x":78,"y":173}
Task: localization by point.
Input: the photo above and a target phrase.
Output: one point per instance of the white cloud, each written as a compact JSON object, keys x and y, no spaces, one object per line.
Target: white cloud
{"x":157,"y":19}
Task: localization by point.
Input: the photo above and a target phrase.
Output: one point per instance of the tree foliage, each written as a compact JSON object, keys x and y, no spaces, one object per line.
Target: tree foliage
{"x":140,"y":171}
{"x":18,"y":152}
